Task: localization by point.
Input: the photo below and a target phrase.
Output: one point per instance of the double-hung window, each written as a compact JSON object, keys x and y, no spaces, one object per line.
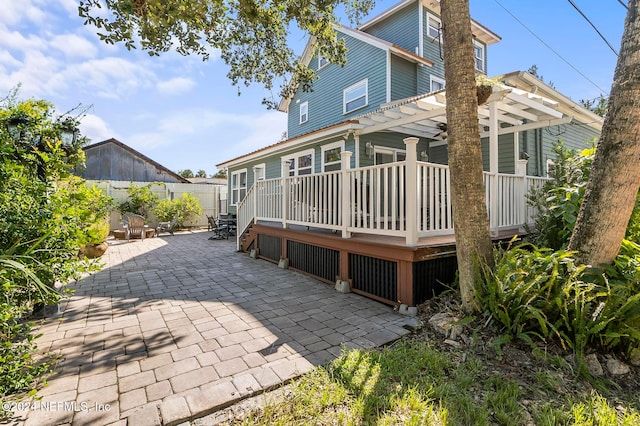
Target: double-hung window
{"x":331,"y":156}
{"x":356,"y":96}
{"x":434,"y":27}
{"x":238,"y":186}
{"x":304,"y":112}
{"x":300,"y":163}
{"x":478,"y":53}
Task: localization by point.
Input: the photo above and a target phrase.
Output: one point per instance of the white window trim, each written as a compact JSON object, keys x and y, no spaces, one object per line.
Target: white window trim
{"x":364,"y":82}
{"x":239,"y":187}
{"x":304,"y":105}
{"x":484,"y":56}
{"x":261,"y":166}
{"x":298,"y":154}
{"x":388,"y":150}
{"x":339,"y":144}
{"x":435,"y":79}
{"x":320,"y":64}
{"x":549,"y":166}
{"x":434,"y":19}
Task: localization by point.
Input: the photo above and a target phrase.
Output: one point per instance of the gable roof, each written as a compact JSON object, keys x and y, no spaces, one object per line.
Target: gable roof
{"x":137,"y":154}
{"x":481,"y":32}
{"x":307,"y":54}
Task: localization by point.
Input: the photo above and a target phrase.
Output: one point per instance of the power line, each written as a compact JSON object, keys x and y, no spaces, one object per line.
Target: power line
{"x":551,"y":48}
{"x":594,"y":27}
{"x":623,"y":5}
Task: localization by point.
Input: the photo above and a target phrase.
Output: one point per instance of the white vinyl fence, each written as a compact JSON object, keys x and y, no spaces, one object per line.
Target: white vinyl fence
{"x":212,"y":197}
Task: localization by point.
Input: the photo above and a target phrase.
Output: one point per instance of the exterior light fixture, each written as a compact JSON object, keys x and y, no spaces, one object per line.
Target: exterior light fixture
{"x":15,"y":126}
{"x":368,"y":149}
{"x":424,"y":156}
{"x":69,"y":132}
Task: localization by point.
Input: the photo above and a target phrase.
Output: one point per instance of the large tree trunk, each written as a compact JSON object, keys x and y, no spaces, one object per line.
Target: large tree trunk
{"x":615,"y":174}
{"x":473,"y":241}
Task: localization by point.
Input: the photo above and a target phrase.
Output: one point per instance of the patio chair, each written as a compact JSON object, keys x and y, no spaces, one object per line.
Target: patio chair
{"x":211,"y":223}
{"x":221,"y":230}
{"x":133,"y":226}
{"x":167,"y":226}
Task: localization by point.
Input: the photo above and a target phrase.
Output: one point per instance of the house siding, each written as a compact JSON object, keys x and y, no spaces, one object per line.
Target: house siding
{"x":394,"y":28}
{"x":364,"y":61}
{"x":403,"y":78}
{"x":431,"y":51}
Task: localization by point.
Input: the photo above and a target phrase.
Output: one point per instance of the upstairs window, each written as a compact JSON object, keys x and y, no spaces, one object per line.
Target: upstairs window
{"x":238,"y":186}
{"x":304,"y":112}
{"x":437,"y":83}
{"x":322,"y":61}
{"x":434,"y":26}
{"x":356,"y":96}
{"x":478,"y":52}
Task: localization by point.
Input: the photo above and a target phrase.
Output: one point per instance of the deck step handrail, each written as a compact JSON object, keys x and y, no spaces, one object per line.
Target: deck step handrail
{"x":245,"y":214}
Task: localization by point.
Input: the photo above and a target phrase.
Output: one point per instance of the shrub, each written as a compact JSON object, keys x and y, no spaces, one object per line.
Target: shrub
{"x":186,"y":208}
{"x":541,"y":294}
{"x":558,"y":202}
{"x":141,"y":200}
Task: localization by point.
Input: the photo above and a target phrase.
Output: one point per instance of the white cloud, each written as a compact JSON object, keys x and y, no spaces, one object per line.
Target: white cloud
{"x":112,"y":78}
{"x":175,"y":86}
{"x":96,"y":129}
{"x":74,"y":46}
{"x":14,"y":12}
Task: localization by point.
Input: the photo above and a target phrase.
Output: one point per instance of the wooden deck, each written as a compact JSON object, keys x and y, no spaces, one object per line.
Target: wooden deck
{"x":380,"y":267}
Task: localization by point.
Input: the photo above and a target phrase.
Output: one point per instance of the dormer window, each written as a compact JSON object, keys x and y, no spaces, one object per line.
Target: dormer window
{"x":356,"y":96}
{"x":304,"y":112}
{"x":322,"y":61}
{"x":478,"y":53}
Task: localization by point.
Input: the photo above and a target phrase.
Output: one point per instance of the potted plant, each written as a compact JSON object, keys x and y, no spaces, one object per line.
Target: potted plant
{"x":96,"y":244}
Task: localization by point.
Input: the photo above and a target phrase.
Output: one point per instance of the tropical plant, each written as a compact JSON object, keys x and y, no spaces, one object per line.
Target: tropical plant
{"x":42,"y":230}
{"x":557,"y":203}
{"x":538,"y":294}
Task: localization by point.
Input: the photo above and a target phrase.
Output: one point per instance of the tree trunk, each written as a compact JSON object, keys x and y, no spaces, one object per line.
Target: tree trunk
{"x":473,"y":241}
{"x":615,"y":174}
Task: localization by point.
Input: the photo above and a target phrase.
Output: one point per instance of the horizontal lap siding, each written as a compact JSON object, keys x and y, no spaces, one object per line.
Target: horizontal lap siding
{"x":400,"y":29}
{"x":325,"y":102}
{"x":403,"y":78}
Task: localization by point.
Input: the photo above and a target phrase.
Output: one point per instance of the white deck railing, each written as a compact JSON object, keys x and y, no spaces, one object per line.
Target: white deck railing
{"x":380,"y":199}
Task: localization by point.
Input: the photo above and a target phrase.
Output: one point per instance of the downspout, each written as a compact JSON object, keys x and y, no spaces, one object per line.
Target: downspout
{"x":541,"y":171}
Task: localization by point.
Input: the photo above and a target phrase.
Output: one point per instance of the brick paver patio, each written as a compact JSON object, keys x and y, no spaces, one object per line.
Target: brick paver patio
{"x":174,"y":328}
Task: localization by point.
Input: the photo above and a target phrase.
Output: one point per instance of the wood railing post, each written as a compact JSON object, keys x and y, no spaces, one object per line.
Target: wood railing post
{"x":285,"y":191}
{"x":411,"y":195}
{"x":521,"y":170}
{"x":495,"y":201}
{"x":345,"y":187}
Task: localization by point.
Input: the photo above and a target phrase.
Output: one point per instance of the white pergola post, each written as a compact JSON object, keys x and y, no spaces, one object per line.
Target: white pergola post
{"x":345,"y":159}
{"x":285,"y":191}
{"x":493,"y":166}
{"x":411,"y":194}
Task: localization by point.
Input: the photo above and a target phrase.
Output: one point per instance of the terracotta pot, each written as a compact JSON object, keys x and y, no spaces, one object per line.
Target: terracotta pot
{"x":92,"y":251}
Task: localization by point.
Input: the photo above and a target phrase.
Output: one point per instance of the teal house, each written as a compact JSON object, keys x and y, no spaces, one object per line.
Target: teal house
{"x":358,"y":193}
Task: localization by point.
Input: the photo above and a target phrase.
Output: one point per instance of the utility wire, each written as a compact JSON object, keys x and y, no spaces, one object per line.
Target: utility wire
{"x":550,"y":48}
{"x":594,"y":27}
{"x":623,"y":5}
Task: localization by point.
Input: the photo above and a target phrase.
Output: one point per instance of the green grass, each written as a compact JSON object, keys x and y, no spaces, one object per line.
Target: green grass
{"x":412,"y":383}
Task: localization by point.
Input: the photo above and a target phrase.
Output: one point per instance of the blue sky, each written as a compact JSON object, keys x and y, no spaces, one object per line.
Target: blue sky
{"x":184,"y":113}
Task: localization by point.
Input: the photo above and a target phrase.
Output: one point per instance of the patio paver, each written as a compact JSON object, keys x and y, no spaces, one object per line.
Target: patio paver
{"x":177,"y":327}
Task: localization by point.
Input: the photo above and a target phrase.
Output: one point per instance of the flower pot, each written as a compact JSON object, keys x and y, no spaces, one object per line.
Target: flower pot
{"x":92,"y":251}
